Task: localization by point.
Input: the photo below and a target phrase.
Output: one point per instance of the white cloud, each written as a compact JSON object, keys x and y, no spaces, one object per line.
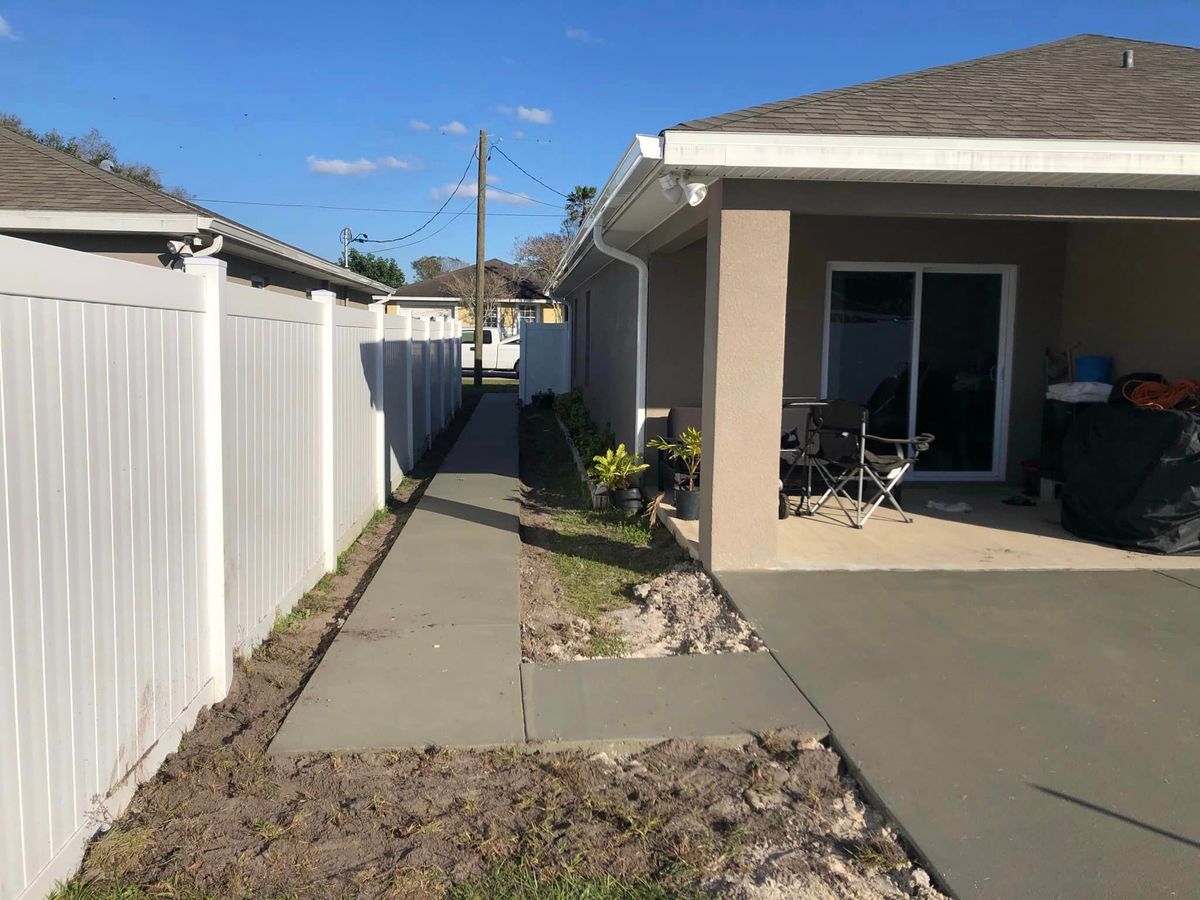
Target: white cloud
{"x":360,"y":166}
{"x":418,"y":125}
{"x":6,"y":31}
{"x":506,"y":110}
{"x":518,"y":134}
{"x":469,"y":190}
{"x":583,"y":36}
{"x":535,"y":115}
{"x":455,"y":127}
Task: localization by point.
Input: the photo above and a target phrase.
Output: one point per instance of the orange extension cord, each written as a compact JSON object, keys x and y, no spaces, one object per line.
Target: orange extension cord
{"x":1156,"y":395}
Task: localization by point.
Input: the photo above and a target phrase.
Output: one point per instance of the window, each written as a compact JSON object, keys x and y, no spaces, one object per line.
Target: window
{"x":468,"y":336}
{"x":527,"y":313}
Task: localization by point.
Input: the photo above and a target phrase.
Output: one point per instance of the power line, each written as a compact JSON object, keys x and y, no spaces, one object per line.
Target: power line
{"x":452,"y":217}
{"x":425,"y":224}
{"x":528,"y":173}
{"x":492,"y":187}
{"x":381,"y":209}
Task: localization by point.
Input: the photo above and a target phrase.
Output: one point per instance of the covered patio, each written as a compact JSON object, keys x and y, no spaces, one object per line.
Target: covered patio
{"x":836,"y":290}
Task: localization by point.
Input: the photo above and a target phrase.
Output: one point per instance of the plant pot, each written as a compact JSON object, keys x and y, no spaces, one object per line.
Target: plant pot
{"x":600,"y":498}
{"x":687,"y":504}
{"x":628,"y":499}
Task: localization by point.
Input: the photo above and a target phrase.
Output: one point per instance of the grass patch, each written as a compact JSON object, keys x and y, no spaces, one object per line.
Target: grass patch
{"x":491,"y":385}
{"x":522,"y":883}
{"x":598,"y":556}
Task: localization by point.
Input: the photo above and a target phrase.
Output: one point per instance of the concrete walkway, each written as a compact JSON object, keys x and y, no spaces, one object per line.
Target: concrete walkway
{"x":1035,"y":734}
{"x":429,"y":655}
{"x":432,"y":652}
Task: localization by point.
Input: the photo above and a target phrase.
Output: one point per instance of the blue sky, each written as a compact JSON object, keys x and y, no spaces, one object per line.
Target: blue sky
{"x":324,"y":103}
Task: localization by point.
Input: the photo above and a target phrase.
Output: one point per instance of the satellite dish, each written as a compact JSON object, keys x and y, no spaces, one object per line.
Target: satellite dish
{"x":107,"y":165}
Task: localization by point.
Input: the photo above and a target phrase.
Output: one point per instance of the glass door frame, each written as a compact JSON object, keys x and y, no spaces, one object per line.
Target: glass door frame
{"x":1008,"y":293}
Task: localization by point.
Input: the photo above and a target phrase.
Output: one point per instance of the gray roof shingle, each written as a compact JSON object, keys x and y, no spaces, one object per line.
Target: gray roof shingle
{"x":1073,"y":89}
{"x":36,"y":177}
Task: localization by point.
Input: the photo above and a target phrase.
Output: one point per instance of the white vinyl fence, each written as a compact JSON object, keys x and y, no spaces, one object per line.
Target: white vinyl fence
{"x":181,"y":458}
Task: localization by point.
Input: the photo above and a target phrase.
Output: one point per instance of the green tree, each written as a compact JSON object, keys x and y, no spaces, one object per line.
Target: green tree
{"x":579,"y":202}
{"x":93,"y":148}
{"x":431,"y":266}
{"x":379,"y":268}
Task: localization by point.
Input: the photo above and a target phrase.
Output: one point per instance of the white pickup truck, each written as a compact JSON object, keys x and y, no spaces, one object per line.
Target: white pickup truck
{"x":499,"y":354}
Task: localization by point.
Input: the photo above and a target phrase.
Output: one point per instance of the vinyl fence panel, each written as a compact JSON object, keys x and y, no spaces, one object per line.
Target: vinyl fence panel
{"x":181,"y":458}
{"x":397,"y":394}
{"x":355,"y":348}
{"x":272,"y":457}
{"x":101,"y":531}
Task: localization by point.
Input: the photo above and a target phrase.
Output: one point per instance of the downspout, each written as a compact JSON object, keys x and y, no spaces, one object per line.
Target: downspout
{"x":643,"y":278}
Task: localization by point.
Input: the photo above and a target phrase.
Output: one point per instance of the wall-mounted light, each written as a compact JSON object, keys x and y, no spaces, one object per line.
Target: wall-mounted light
{"x":677,"y":188}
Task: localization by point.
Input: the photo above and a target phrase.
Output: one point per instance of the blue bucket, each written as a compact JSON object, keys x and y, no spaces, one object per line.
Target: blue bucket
{"x":1094,"y":368}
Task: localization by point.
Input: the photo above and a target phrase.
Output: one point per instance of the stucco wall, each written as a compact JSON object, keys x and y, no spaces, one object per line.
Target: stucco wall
{"x":604,"y":366}
{"x":1133,"y":293}
{"x":674,"y":333}
{"x":1036,"y":248}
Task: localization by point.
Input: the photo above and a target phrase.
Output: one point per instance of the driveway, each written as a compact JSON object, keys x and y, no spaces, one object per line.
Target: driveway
{"x":1035,"y":734}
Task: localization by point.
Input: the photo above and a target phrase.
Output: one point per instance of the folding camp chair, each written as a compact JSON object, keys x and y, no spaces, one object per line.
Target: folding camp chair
{"x":850,"y":470}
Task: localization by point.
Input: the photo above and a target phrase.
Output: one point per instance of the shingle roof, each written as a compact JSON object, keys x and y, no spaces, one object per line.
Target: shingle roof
{"x":36,"y":177}
{"x":443,"y":286}
{"x":1075,"y":89}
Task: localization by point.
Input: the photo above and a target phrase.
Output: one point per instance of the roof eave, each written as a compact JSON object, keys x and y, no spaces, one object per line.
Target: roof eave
{"x":97,"y":222}
{"x":712,"y":155}
{"x":278,"y":250}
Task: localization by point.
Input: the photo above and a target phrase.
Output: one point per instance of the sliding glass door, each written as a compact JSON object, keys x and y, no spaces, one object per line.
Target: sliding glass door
{"x":951,"y":325}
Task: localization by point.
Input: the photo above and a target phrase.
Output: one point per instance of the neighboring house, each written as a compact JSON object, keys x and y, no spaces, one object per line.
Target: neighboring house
{"x":524,"y":297}
{"x":955,"y":222}
{"x":55,"y":198}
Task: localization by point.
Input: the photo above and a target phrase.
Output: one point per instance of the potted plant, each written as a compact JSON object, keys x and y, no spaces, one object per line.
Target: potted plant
{"x":614,"y":470}
{"x":687,"y":451}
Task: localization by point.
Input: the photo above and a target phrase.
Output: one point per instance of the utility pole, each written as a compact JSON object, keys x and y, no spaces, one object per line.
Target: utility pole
{"x":480,"y":211}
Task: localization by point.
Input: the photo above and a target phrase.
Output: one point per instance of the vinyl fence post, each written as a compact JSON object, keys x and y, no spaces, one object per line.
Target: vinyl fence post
{"x":220,"y":647}
{"x":328,"y":515}
{"x":381,"y":448}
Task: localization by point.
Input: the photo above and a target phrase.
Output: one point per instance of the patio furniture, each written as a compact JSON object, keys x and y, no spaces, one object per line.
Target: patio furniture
{"x":795,"y":446}
{"x":856,"y":477}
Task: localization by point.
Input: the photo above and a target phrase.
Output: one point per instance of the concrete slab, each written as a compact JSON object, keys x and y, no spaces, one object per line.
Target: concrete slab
{"x":441,"y":685}
{"x":621,"y":700}
{"x":1035,"y":734}
{"x":431,"y":654}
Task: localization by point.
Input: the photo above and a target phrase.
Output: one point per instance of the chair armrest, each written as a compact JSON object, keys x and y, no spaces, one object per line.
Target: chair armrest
{"x":919,"y":442}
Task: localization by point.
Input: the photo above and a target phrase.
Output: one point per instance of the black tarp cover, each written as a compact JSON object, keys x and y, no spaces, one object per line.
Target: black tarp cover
{"x":1133,"y":478}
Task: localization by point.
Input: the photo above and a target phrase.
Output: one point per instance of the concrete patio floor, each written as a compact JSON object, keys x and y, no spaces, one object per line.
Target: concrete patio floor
{"x":431,"y":655}
{"x":1035,"y":734}
{"x":992,"y":536}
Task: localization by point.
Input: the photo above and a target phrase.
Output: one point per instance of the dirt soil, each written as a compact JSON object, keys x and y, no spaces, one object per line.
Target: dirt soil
{"x":773,"y":819}
{"x":683,"y":612}
{"x":670,"y":612}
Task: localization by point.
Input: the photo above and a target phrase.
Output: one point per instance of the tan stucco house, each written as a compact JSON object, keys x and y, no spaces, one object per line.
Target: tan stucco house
{"x":54,"y":198}
{"x":524,"y":299}
{"x":956,"y":222}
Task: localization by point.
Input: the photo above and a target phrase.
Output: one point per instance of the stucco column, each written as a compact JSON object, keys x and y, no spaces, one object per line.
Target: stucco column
{"x":745,"y":310}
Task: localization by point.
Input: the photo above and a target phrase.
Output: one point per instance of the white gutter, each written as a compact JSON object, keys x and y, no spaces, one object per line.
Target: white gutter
{"x":643,"y":279}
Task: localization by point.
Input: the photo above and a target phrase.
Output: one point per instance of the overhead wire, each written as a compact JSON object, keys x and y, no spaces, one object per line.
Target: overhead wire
{"x":529,"y":174}
{"x":425,"y":224}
